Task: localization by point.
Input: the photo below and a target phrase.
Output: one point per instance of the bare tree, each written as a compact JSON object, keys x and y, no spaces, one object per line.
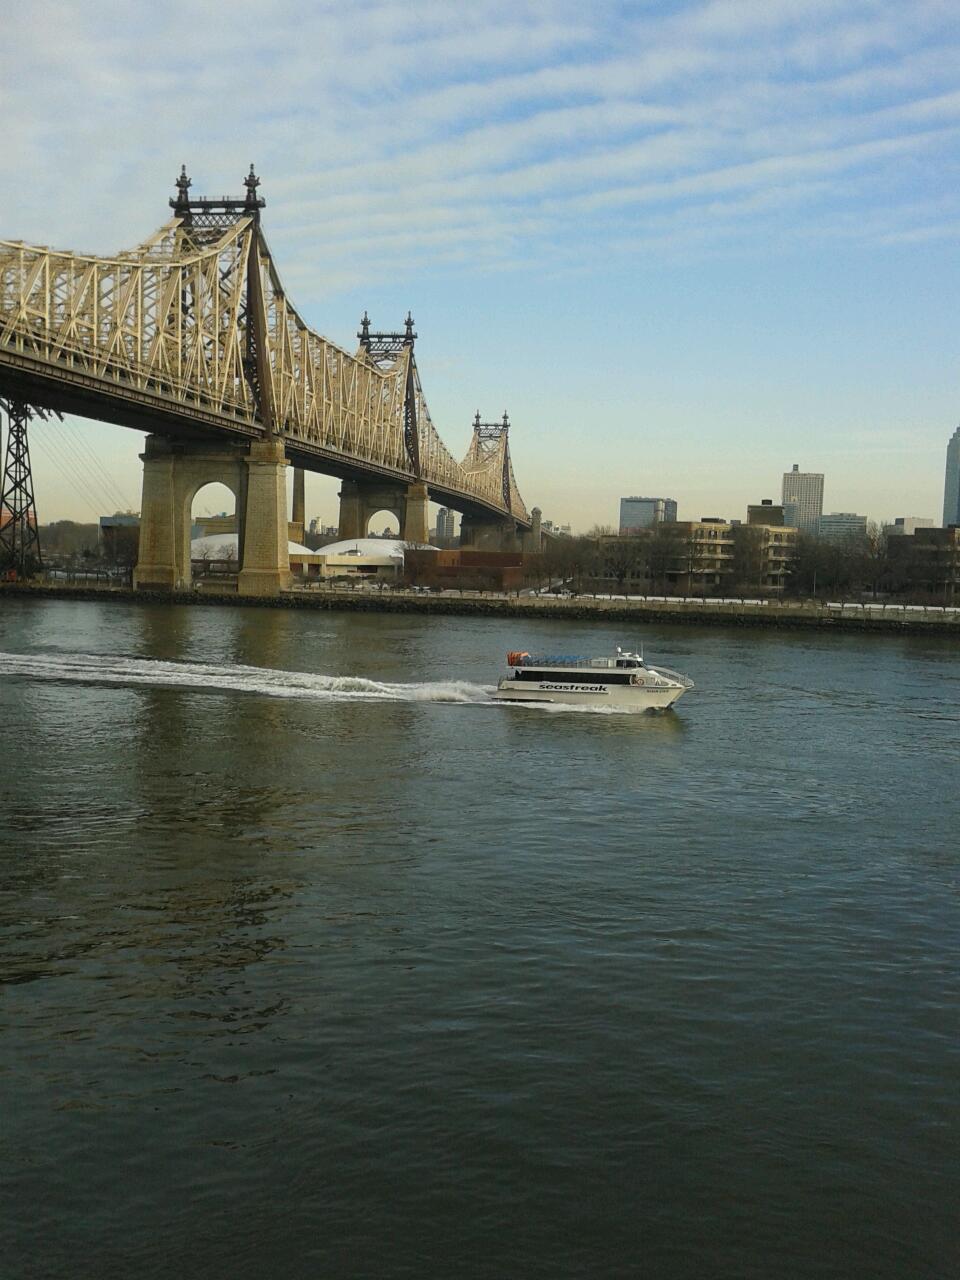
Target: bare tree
{"x":666,"y":554}
{"x":621,"y":561}
{"x":748,"y":558}
{"x":876,"y":557}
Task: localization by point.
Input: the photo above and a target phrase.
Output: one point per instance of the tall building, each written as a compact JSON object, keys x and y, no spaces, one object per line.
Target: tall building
{"x":444,"y":523}
{"x":951,"y":488}
{"x":643,"y":513}
{"x":802,"y":497}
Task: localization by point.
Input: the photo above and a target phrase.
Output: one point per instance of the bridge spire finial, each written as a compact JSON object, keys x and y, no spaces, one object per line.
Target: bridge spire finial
{"x":476,"y":421}
{"x":364,"y":332}
{"x":251,"y":182}
{"x":183,"y":187}
{"x":506,"y":421}
{"x":409,"y":335}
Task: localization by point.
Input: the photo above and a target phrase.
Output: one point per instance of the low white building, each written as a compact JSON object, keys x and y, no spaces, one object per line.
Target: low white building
{"x":220,"y":550}
{"x":906,"y":525}
{"x":351,"y":558}
{"x":364,"y":558}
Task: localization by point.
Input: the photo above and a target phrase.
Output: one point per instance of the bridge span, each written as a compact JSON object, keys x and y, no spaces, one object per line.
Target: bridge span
{"x":191,"y":338}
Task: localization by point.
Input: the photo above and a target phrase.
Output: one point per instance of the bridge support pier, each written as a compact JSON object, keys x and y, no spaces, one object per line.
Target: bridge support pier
{"x":298,"y":518}
{"x":156,"y":566}
{"x":488,"y":534}
{"x":264,"y":562}
{"x":532,"y":538}
{"x":359,"y":502}
{"x":415,"y":525}
{"x":172,"y":475}
{"x":352,"y":522}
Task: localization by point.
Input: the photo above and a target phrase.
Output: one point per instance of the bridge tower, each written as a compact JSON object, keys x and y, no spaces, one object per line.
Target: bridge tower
{"x":490,"y":444}
{"x":359,"y":500}
{"x":173,"y":472}
{"x":19,"y":535}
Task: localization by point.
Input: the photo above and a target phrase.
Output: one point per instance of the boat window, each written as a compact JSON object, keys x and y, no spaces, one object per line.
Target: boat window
{"x":575,"y":677}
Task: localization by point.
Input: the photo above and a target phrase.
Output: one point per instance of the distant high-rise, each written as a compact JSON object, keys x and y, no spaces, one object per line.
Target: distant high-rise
{"x":951,"y":488}
{"x":444,"y":524}
{"x":909,"y":524}
{"x":842,"y":526}
{"x":802,"y":497}
{"x":643,"y":513}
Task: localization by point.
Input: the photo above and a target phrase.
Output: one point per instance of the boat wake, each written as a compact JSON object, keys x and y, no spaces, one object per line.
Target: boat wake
{"x":85,"y":668}
{"x":112,"y":669}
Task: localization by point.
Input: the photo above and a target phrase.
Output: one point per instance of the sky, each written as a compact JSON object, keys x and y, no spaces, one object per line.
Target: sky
{"x":685,"y":245}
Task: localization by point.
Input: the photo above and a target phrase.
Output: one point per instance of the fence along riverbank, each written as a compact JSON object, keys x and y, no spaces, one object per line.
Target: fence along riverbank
{"x":827,"y":616}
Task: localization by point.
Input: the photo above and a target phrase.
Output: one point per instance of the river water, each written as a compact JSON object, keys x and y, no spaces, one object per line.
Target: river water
{"x":319,"y":964}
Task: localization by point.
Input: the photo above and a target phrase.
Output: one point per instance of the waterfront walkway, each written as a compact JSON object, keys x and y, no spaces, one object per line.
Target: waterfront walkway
{"x":896,"y":619}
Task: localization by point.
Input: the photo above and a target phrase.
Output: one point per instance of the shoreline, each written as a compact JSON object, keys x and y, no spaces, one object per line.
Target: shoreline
{"x":776,"y":616}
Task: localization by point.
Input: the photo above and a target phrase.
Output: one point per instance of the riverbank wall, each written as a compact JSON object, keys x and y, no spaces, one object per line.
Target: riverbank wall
{"x":888,"y":620}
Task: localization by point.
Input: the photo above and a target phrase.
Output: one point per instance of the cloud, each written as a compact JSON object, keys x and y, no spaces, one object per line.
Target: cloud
{"x":457,"y":120}
{"x":502,"y":139}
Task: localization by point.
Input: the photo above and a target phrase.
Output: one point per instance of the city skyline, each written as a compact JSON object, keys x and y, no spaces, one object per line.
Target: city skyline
{"x":327,"y":516}
{"x":701,"y":239}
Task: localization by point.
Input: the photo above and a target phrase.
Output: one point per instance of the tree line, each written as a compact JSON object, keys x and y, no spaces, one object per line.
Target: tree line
{"x":670,"y":560}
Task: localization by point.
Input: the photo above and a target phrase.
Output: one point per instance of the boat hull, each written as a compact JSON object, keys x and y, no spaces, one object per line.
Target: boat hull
{"x":608,"y":697}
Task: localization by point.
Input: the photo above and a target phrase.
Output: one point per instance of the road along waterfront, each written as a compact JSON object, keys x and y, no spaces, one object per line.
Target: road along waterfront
{"x":317,"y":962}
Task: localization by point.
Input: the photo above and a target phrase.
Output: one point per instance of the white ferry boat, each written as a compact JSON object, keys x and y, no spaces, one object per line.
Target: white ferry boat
{"x":624,"y":682}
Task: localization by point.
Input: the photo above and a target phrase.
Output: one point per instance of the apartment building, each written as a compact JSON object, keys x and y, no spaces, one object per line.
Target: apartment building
{"x":702,"y":557}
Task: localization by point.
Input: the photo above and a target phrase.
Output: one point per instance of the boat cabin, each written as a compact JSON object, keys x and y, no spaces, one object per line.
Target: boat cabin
{"x":576,"y":669}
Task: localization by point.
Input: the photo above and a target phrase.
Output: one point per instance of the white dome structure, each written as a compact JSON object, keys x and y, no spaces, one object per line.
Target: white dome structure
{"x":392,"y":547}
{"x":357,"y":558}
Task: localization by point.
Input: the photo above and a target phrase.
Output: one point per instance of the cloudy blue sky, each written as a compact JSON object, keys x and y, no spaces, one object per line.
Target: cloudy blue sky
{"x":685,"y":244}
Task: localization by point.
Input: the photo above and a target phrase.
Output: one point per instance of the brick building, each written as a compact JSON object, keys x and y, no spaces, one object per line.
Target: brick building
{"x":927,"y":561}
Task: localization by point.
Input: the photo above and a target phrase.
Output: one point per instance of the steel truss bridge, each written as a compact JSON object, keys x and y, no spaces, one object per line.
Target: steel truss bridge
{"x":191,"y":336}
